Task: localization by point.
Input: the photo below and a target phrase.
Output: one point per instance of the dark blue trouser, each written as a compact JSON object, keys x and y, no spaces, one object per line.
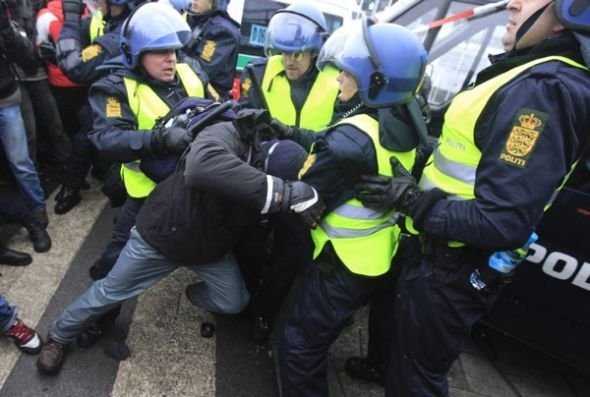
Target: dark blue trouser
{"x":41,"y":116}
{"x":83,"y":154}
{"x":7,"y":315}
{"x":328,"y":296}
{"x":13,"y":211}
{"x":435,"y":308}
{"x":79,"y":161}
{"x":125,"y":221}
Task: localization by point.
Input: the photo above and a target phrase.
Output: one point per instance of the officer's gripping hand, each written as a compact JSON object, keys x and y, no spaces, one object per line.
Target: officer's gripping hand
{"x":72,"y":9}
{"x":170,"y":140}
{"x":398,"y":193}
{"x":282,"y":131}
{"x":47,"y":52}
{"x":299,"y":198}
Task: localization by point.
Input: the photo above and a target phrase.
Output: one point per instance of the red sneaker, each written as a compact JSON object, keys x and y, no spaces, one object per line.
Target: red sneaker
{"x":24,"y":337}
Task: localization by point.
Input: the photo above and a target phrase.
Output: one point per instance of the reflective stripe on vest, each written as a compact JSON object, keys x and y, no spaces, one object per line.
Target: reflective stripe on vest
{"x":97,"y":25}
{"x":147,"y":108}
{"x":365,"y":240}
{"x":453,"y":164}
{"x":316,"y":113}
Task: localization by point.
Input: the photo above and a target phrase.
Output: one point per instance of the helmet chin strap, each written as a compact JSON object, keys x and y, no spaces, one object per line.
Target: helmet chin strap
{"x":528,"y":24}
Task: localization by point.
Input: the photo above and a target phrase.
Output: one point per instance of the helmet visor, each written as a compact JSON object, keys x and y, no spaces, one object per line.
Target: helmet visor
{"x":290,"y":33}
{"x":155,"y":26}
{"x":333,"y":49}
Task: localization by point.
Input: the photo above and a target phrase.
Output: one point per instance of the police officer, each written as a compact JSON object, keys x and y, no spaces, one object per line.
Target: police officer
{"x":83,"y":47}
{"x":213,"y":46}
{"x":126,"y":105}
{"x":286,"y":82}
{"x":353,"y":245}
{"x":507,"y":145}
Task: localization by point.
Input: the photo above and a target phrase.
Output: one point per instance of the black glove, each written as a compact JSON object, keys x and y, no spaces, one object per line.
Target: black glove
{"x":399,"y":192}
{"x":299,"y":198}
{"x":47,"y":52}
{"x":281,"y":130}
{"x":72,"y":9}
{"x":170,"y":140}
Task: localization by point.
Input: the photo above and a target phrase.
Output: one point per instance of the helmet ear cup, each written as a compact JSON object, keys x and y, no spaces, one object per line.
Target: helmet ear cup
{"x":124,"y":46}
{"x":126,"y":53}
{"x":377,"y":81}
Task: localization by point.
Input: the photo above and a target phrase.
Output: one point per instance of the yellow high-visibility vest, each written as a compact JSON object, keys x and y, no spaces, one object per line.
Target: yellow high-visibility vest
{"x":97,"y":25}
{"x":147,"y":108}
{"x":365,"y":240}
{"x":318,"y":109}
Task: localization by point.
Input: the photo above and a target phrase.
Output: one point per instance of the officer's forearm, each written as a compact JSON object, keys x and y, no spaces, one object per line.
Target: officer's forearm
{"x":304,"y":137}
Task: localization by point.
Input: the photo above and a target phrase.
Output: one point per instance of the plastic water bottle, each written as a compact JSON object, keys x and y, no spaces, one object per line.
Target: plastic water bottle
{"x":503,"y":262}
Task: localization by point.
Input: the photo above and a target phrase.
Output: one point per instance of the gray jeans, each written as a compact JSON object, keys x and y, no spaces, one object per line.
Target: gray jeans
{"x":139,"y":267}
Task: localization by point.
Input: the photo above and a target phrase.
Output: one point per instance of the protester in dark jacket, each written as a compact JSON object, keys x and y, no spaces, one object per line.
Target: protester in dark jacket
{"x":192,"y":218}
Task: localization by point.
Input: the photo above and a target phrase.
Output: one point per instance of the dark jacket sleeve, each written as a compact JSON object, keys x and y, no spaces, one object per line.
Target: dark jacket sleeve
{"x":216,"y":164}
{"x":340,"y":157}
{"x":80,"y":60}
{"x":510,"y":199}
{"x":18,"y":49}
{"x":115,"y":132}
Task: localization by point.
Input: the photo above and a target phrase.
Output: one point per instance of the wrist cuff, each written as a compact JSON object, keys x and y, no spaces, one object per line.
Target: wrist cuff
{"x":420,"y":209}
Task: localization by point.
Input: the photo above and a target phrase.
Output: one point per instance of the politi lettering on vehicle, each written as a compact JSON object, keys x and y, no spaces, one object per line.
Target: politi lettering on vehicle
{"x":561,"y":266}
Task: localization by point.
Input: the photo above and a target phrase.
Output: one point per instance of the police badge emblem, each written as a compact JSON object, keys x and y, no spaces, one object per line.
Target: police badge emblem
{"x":525,"y":132}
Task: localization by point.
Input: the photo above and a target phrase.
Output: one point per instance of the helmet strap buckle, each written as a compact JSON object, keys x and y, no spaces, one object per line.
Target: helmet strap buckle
{"x":378,"y":81}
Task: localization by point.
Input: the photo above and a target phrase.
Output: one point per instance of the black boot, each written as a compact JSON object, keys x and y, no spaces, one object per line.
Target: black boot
{"x":40,"y":216}
{"x":38,"y":235}
{"x":14,"y":258}
{"x":67,"y":198}
{"x":362,"y":369}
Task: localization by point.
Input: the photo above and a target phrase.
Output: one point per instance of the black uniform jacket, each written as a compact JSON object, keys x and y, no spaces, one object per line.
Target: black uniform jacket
{"x":215,"y":47}
{"x":115,"y":133}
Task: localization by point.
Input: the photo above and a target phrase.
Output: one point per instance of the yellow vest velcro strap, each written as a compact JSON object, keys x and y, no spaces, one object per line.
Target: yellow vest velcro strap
{"x":133,"y":166}
{"x":427,"y":184}
{"x":354,"y":212}
{"x":454,"y":169}
{"x":341,"y":232}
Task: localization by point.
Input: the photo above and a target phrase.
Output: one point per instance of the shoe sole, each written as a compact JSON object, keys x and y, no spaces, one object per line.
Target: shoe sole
{"x":32,"y":350}
{"x":23,"y":263}
{"x":49,"y":371}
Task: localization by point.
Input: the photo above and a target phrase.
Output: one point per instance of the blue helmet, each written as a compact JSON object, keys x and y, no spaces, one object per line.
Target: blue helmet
{"x":299,"y":27}
{"x":180,"y":5}
{"x":221,"y":4}
{"x":151,"y":27}
{"x":386,"y":60}
{"x":574,"y":14}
